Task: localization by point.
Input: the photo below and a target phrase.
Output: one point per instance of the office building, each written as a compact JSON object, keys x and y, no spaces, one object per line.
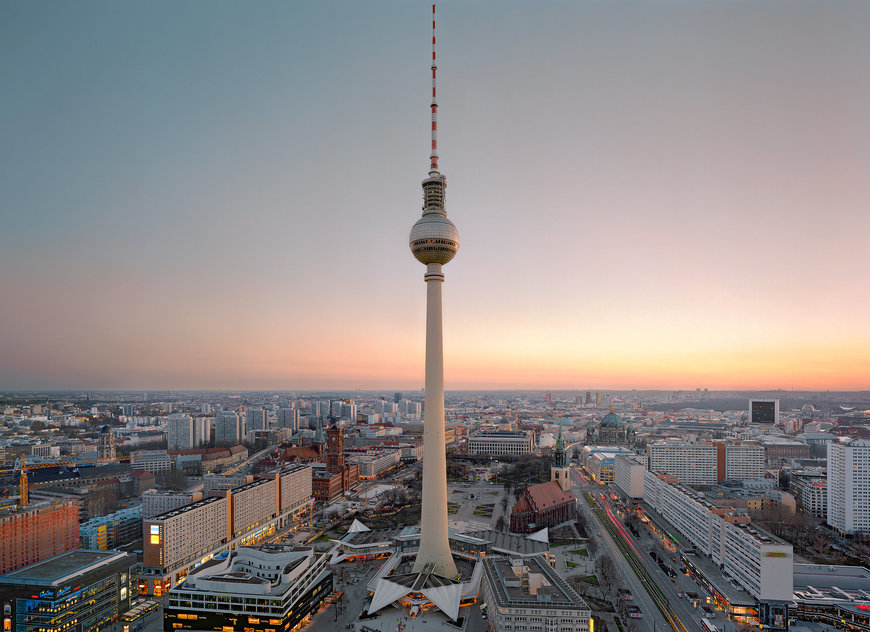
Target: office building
{"x":223,"y":482}
{"x":849,"y":486}
{"x":528,"y":595}
{"x":500,"y":442}
{"x":376,"y":462}
{"x":628,"y":473}
{"x":151,"y":460}
{"x":77,"y":591}
{"x":764,"y":411}
{"x":42,"y":529}
{"x":270,"y":588}
{"x":779,"y":450}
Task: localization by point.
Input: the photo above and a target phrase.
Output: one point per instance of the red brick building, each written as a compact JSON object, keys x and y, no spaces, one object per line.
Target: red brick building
{"x":338,"y":477}
{"x":544,"y":505}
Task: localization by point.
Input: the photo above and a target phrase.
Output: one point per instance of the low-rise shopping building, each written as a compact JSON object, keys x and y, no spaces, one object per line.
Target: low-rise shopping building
{"x":77,"y":591}
{"x":269,"y":588}
{"x":528,"y":595}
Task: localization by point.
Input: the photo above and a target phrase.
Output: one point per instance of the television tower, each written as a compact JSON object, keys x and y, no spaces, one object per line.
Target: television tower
{"x":434,"y":241}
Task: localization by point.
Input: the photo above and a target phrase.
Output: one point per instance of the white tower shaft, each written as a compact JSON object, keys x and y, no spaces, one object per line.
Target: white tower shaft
{"x":434,"y":545}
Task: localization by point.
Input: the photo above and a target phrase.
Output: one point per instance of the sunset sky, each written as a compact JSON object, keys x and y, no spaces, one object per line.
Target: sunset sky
{"x":218,"y":194}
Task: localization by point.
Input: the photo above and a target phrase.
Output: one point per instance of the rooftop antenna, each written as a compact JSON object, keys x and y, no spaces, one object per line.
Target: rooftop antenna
{"x":433,"y":158}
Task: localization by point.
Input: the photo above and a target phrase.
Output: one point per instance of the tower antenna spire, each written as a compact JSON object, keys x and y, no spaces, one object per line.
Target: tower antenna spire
{"x":433,"y":157}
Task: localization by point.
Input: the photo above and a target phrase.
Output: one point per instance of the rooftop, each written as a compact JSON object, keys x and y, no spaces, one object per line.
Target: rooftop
{"x":549,"y":494}
{"x":543,"y":585}
{"x":827,"y":576}
{"x":62,"y":567}
{"x":180,"y":510}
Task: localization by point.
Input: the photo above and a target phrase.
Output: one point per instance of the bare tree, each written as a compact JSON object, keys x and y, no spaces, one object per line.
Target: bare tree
{"x":101,"y":502}
{"x":607,"y":576}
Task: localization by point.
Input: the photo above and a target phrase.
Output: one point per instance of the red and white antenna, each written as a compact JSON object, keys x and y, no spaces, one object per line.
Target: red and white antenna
{"x":433,"y":158}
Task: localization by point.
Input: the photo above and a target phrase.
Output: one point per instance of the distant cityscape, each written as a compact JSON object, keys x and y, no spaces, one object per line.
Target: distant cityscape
{"x":764,"y":504}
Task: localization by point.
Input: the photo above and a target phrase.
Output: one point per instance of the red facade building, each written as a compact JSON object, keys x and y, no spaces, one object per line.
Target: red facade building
{"x":37,"y":532}
{"x":544,"y":505}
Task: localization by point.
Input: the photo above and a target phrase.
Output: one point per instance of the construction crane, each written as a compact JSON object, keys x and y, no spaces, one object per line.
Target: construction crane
{"x":24,"y":489}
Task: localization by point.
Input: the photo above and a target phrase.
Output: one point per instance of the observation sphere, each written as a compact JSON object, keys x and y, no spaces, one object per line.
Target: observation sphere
{"x":434,"y":239}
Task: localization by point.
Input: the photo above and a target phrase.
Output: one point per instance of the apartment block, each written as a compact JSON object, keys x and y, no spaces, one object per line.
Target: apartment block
{"x":296,"y":488}
{"x":693,"y":464}
{"x":156,"y":502}
{"x":228,"y":428}
{"x":758,"y":561}
{"x":178,"y":540}
{"x":111,"y":531}
{"x":810,"y":489}
{"x":849,"y":486}
{"x":253,"y":504}
{"x":742,"y":461}
{"x":34,"y":533}
{"x":707,"y":463}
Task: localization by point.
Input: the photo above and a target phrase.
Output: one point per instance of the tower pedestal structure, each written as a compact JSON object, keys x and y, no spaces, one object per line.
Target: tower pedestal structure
{"x":434,"y":546}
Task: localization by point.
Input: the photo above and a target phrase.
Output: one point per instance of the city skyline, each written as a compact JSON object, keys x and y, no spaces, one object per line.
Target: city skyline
{"x":217,"y":196}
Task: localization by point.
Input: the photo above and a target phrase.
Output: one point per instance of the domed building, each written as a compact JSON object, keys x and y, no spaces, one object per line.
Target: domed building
{"x":611,"y":430}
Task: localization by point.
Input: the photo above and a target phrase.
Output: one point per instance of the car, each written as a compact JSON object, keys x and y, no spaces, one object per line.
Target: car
{"x":680,"y":595}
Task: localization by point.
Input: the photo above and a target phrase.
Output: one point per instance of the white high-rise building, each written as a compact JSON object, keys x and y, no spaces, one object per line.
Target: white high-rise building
{"x":693,"y":464}
{"x":628,"y":472}
{"x":179,"y":432}
{"x":227,"y":428}
{"x":201,"y":431}
{"x":706,"y":463}
{"x":744,"y":461}
{"x":849,"y":486}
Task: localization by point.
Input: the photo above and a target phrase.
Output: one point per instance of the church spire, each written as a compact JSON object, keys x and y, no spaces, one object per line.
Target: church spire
{"x":560,"y":459}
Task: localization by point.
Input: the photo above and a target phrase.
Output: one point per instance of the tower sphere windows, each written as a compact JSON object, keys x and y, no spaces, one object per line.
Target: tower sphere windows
{"x":434,"y":239}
